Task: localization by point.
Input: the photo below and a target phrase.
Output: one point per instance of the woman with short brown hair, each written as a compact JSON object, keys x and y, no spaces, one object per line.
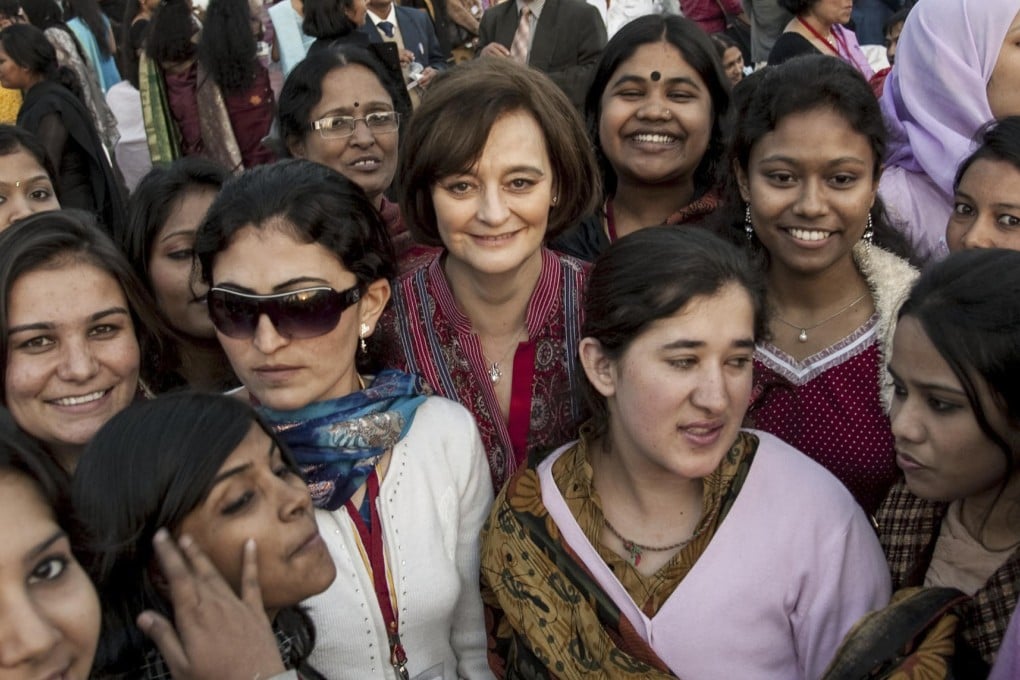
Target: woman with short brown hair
{"x":495,"y":161}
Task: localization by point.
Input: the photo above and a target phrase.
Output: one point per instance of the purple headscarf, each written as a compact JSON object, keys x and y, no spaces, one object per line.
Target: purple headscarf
{"x":934,"y":102}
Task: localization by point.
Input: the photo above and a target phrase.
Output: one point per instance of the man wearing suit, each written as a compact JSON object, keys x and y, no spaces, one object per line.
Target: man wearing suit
{"x":411,"y":29}
{"x":562,"y":38}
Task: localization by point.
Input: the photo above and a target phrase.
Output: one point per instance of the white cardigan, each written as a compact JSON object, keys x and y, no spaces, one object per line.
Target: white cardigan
{"x":433,"y":502}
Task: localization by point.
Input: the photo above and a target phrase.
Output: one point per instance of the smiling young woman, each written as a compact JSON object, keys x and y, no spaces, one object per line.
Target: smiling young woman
{"x":657,"y":109}
{"x":806,"y":156}
{"x":73,"y":321}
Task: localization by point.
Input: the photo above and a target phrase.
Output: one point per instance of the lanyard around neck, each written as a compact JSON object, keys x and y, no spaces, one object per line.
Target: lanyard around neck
{"x":372,"y":542}
{"x":840,"y":40}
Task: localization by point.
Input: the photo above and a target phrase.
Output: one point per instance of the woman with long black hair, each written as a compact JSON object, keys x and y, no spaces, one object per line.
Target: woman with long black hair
{"x":209,"y":93}
{"x":52,"y":111}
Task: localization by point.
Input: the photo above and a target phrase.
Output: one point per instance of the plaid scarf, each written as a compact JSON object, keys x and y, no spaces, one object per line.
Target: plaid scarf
{"x":908,"y":529}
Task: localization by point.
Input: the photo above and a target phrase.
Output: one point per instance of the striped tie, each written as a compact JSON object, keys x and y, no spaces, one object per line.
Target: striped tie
{"x":519,"y":47}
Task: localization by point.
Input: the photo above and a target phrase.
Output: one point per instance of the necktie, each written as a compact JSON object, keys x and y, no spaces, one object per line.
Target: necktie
{"x":519,"y":47}
{"x":387,"y":28}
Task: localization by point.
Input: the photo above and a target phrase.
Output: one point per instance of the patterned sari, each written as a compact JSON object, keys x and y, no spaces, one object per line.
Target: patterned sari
{"x":546,"y":615}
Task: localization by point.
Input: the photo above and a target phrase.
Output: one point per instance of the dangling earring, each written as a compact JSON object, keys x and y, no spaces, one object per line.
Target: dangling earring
{"x":748,"y":227}
{"x":556,"y":199}
{"x":362,"y":332}
{"x":869,"y":232}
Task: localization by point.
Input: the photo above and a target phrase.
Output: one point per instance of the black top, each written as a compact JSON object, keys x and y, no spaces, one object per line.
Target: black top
{"x":790,"y":45}
{"x":65,"y":127}
{"x":586,"y":240}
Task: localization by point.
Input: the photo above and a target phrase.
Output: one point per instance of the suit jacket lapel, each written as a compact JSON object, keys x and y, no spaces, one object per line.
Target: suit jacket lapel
{"x":506,"y":22}
{"x":369,"y":29}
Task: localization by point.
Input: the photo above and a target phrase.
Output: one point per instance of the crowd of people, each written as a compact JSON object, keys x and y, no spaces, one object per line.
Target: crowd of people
{"x":348,"y":339}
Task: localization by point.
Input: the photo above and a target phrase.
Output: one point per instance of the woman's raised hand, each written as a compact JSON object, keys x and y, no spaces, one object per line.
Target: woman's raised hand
{"x":218,"y":634}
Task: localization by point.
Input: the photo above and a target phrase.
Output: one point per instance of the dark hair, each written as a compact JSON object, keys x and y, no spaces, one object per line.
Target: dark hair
{"x":698,"y":51}
{"x":170,"y":33}
{"x":722,"y":43}
{"x":153,"y":200}
{"x":796,"y":7}
{"x":14,"y":139}
{"x":450,"y":128}
{"x":156,"y":195}
{"x":311,"y":202}
{"x":800,"y":85}
{"x":44,"y":14}
{"x":88,"y":11}
{"x":23,"y":455}
{"x":131,"y":41}
{"x":302,"y":91}
{"x":49,"y":240}
{"x":149,"y":467}
{"x":969,"y":307}
{"x":999,"y":141}
{"x":28,"y":47}
{"x":227,"y":47}
{"x":10,"y":9}
{"x":652,"y":274}
{"x":327,"y":19}
{"x":897,"y":17}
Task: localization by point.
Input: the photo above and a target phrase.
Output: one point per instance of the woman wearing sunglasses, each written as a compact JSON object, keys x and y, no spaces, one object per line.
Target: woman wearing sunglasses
{"x":298,"y":265}
{"x":74,"y":322}
{"x":496,"y":162}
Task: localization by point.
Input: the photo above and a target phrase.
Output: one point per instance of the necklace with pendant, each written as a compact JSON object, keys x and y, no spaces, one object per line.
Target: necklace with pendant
{"x":802,"y":336}
{"x":495,"y":369}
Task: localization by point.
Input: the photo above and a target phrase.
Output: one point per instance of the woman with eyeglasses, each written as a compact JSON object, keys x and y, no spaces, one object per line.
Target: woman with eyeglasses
{"x":299,"y":269}
{"x":339,"y":108}
{"x":496,"y":162}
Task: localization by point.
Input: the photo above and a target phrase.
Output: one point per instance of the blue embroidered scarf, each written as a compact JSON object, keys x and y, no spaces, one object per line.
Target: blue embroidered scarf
{"x":338,"y":442}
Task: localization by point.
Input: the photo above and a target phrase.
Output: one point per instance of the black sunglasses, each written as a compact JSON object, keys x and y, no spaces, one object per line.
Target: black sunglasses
{"x":299,"y":314}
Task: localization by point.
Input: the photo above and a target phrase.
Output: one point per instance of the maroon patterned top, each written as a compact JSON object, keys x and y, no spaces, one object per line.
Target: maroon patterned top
{"x":828,"y":406}
{"x":424,"y":332}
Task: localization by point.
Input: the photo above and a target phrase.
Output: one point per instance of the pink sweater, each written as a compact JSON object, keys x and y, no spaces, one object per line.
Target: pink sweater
{"x":794,"y":564}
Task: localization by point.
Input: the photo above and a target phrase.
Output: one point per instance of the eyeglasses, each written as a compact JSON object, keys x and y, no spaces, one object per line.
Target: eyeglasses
{"x":333,"y":127}
{"x":298,"y":314}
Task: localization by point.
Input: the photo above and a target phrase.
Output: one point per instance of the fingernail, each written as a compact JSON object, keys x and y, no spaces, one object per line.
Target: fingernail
{"x":144,"y":620}
{"x":161,"y":535}
{"x":185,"y":541}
